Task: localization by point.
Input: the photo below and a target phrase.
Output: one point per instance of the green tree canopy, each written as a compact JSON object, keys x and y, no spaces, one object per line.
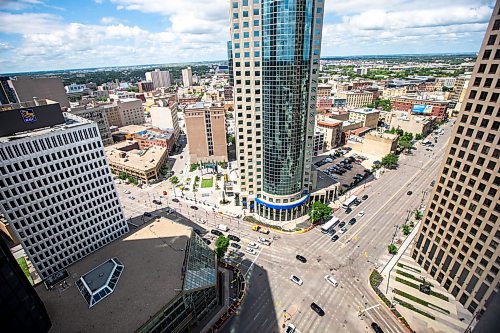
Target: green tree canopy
{"x":406,"y":229}
{"x":392,"y":249}
{"x":418,"y":214}
{"x":419,"y":136}
{"x":174,"y":180}
{"x":389,"y":160}
{"x":319,"y":211}
{"x":221,"y":245}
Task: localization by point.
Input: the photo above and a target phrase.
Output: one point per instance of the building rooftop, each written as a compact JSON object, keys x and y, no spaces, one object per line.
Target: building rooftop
{"x":328,"y":122}
{"x":365,"y":111}
{"x":126,"y":153}
{"x":132,"y":129}
{"x":152,"y":258}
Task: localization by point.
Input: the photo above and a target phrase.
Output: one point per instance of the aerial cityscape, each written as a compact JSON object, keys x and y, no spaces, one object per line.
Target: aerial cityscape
{"x":249,"y":166}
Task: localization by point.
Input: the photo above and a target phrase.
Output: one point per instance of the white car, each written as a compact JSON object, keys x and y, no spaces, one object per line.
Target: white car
{"x":264,"y":241}
{"x":290,"y":328}
{"x":296,"y":280}
{"x":251,"y":251}
{"x":131,"y":198}
{"x":331,"y":280}
{"x":342,"y":230}
{"x":126,"y":192}
{"x":254,"y":245}
{"x":361,"y":213}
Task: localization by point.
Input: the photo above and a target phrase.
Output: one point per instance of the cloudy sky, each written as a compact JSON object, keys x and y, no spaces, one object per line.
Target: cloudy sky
{"x":61,"y":34}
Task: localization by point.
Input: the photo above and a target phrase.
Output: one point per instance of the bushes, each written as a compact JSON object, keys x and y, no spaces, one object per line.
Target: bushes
{"x":411,"y":307}
{"x":420,"y":301}
{"x":392,"y":249}
{"x":410,"y":276}
{"x":416,"y":270}
{"x":408,"y":283}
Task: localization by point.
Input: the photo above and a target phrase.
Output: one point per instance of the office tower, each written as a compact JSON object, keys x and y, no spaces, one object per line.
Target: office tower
{"x":56,"y":189}
{"x":22,"y":309}
{"x":458,"y":240}
{"x":124,"y":112}
{"x":230,"y":62}
{"x":164,"y":116}
{"x":187,"y":77}
{"x":27,"y":88}
{"x":145,"y":86}
{"x":206,"y":132}
{"x":159,"y":78}
{"x":275,"y":53}
{"x":7,"y":93}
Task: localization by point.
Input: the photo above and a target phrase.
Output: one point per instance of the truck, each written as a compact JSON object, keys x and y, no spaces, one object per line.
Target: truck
{"x":222,"y":227}
{"x":258,"y":228}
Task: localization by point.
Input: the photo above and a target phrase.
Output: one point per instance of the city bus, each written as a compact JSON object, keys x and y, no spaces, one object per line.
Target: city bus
{"x":349,"y":202}
{"x":329,"y":225}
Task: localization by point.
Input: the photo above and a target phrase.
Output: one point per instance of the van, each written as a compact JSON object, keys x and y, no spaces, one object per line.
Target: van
{"x":331,"y":280}
{"x":222,"y":227}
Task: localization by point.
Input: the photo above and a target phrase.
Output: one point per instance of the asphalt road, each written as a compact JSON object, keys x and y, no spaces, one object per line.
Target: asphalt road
{"x":271,"y":296}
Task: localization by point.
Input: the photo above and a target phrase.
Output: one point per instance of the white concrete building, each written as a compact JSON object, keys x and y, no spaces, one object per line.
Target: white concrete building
{"x":187,"y":77}
{"x":164,"y":117}
{"x":56,"y":189}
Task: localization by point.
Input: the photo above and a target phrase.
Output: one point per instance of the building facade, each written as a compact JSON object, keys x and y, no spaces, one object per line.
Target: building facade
{"x":356,"y":99}
{"x":276,"y":48}
{"x":164,"y":117}
{"x":458,"y":240}
{"x":413,"y":103}
{"x":145,"y":86}
{"x":56,"y":189}
{"x":27,"y":88}
{"x":206,"y":132}
{"x":7,"y":93}
{"x":124,"y":112}
{"x":22,"y":308}
{"x":369,"y":117}
{"x":333,"y":132}
{"x":160,"y":79}
{"x":96,"y":114}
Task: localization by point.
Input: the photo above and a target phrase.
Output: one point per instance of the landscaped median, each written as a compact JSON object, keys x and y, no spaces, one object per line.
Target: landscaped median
{"x":297,"y":230}
{"x":375,"y":280}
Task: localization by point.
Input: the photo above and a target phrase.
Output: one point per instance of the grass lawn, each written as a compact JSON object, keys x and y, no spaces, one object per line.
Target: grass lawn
{"x":24,"y":266}
{"x":421,"y":301}
{"x":206,"y":183}
{"x":408,"y":267}
{"x":411,"y":307}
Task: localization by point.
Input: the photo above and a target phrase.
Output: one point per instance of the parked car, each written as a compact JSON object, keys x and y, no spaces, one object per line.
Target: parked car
{"x":131,"y":197}
{"x":364,"y":197}
{"x":207,"y":241}
{"x":352,"y":221}
{"x":348,"y":210}
{"x":216,"y":232}
{"x":301,"y":258}
{"x":235,"y":245}
{"x":175,"y":200}
{"x":254,"y":245}
{"x":264,"y":241}
{"x":331,"y":232}
{"x":317,"y":309}
{"x":296,"y":280}
{"x":361,"y":213}
{"x":147,"y":214}
{"x":290,"y":328}
{"x":126,"y":192}
{"x":157,"y":202}
{"x":250,"y":250}
{"x":335,"y":238}
{"x":376,"y":328}
{"x":233,"y":238}
{"x":194,"y":207}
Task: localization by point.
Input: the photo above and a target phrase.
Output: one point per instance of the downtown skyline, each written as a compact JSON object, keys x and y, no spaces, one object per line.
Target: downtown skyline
{"x":103,"y":33}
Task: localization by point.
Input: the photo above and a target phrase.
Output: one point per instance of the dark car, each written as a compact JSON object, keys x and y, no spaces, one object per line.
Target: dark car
{"x":216,"y":232}
{"x":236,"y":245}
{"x":433,"y":182}
{"x":207,"y":241}
{"x":157,"y":202}
{"x":377,"y":328}
{"x":341,"y":224}
{"x":409,"y":193}
{"x":317,"y":309}
{"x":301,"y":258}
{"x":334,"y":238}
{"x":194,"y":207}
{"x":348,"y":210}
{"x":198,"y":231}
{"x":332,"y":232}
{"x":147,"y":214}
{"x":364,"y":197}
{"x":175,"y":200}
{"x":233,"y":238}
{"x":352,"y":221}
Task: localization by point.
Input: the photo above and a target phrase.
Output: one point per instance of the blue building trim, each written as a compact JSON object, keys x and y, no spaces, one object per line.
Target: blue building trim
{"x":286,"y":206}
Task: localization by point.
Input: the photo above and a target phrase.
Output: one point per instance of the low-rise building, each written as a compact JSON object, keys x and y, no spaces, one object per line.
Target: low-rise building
{"x":332,"y":129}
{"x":161,"y":277}
{"x":388,"y":93}
{"x":373,"y":143}
{"x":356,"y":99}
{"x":141,"y":164}
{"x":145,"y":86}
{"x":123,"y":112}
{"x":412,"y":123}
{"x":422,"y":105}
{"x":368,"y":116}
{"x":97,"y":114}
{"x":206,"y":132}
{"x":324,"y":90}
{"x":164,"y":117}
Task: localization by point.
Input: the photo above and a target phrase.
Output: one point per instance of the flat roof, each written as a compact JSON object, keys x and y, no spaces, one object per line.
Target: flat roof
{"x":138,"y":159}
{"x":329,"y":123}
{"x":132,"y":129}
{"x":152,"y":257}
{"x":365,"y":111}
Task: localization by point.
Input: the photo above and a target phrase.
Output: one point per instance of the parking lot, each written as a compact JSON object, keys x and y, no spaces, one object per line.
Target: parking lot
{"x":347,"y":171}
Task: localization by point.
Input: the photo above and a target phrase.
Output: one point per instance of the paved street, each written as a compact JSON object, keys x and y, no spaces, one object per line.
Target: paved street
{"x":272,"y":296}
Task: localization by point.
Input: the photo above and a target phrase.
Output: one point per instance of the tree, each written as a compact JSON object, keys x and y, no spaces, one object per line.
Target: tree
{"x":418,"y":214}
{"x":419,"y":136}
{"x":406,"y":229}
{"x":174,"y":181}
{"x":392,"y":249}
{"x":389,"y":160}
{"x":193,"y":167}
{"x":319,"y":211}
{"x":122,"y":175}
{"x":221,"y":245}
{"x":405,"y":145}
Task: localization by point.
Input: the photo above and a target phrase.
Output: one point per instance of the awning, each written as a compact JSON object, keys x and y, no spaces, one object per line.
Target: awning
{"x":289,"y":205}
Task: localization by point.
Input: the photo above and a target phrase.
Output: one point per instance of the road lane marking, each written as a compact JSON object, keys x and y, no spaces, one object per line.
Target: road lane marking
{"x":253,"y":262}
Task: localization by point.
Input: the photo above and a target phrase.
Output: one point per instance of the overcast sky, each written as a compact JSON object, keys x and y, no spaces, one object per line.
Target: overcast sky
{"x":61,"y":34}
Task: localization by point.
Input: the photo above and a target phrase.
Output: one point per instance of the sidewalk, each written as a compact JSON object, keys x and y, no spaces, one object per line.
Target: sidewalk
{"x":401,"y":250}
